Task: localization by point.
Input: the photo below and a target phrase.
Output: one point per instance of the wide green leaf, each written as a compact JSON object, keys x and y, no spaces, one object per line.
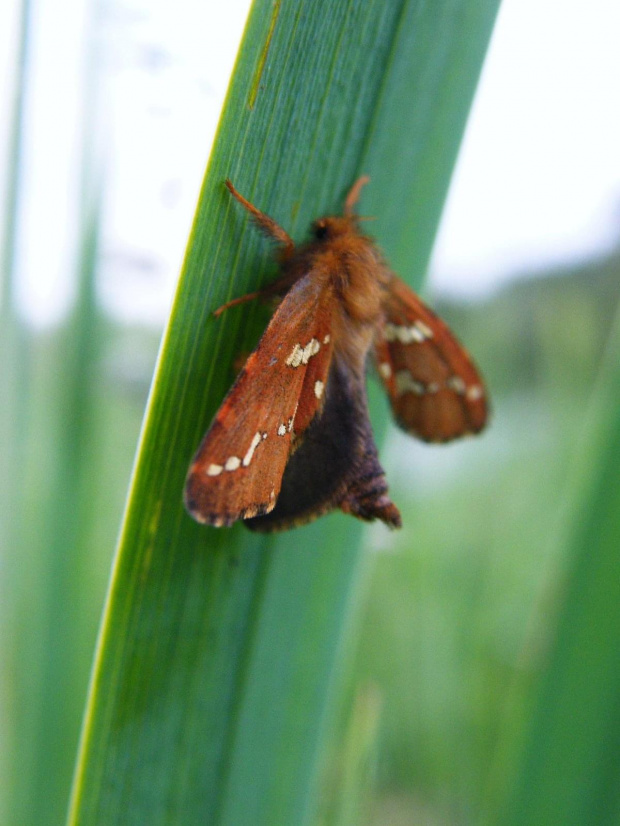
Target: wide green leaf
{"x":220,"y":650}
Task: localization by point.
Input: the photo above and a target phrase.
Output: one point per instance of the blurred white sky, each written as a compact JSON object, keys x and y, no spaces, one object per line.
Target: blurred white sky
{"x":538,"y":179}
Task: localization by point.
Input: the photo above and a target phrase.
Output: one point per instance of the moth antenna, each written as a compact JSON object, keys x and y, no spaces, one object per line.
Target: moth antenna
{"x":265,"y":223}
{"x":354,"y":195}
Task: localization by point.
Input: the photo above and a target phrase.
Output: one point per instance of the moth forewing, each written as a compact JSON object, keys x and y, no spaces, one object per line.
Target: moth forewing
{"x":237,"y":471}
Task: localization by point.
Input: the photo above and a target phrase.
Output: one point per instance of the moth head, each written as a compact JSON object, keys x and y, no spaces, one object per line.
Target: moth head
{"x":325,"y":229}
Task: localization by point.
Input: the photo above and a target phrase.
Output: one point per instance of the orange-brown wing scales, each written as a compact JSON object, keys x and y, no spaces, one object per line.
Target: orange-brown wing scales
{"x":312,"y":393}
{"x":237,"y":471}
{"x":434,"y":387}
{"x":337,"y":464}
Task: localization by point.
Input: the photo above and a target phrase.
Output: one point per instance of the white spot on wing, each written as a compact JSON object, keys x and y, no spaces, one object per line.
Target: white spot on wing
{"x":327,"y":338}
{"x":407,"y":334}
{"x":318,"y":389}
{"x":457,"y":384}
{"x":424,"y":329}
{"x":405,"y":383}
{"x":302,"y":355}
{"x":248,"y":456}
{"x":291,"y":421}
{"x":294,"y":360}
{"x":311,"y":349}
{"x":232,"y":463}
{"x":282,"y":430}
{"x":214,"y":470}
{"x":474,"y":392}
{"x":389,"y":331}
{"x":385,"y":369}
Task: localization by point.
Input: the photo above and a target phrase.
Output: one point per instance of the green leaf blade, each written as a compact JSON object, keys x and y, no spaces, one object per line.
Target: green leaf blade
{"x":220,"y":651}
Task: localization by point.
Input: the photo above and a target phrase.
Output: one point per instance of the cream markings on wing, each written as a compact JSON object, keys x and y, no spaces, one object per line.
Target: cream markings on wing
{"x":405,"y":383}
{"x":424,"y":329}
{"x":287,"y":426}
{"x":407,"y":334}
{"x":474,"y":393}
{"x":254,"y":444}
{"x":234,"y":462}
{"x":291,"y":421}
{"x":302,"y":355}
{"x":311,"y":349}
{"x":385,"y":369}
{"x":457,"y":384}
{"x":318,"y":389}
{"x":294,"y":360}
{"x":326,"y":340}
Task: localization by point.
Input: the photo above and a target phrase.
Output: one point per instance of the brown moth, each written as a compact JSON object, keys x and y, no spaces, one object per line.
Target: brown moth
{"x":292,"y":440}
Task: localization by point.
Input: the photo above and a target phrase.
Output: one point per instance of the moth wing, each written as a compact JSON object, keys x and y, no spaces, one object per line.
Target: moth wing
{"x":434,"y":387}
{"x":237,"y":470}
{"x":336,"y":465}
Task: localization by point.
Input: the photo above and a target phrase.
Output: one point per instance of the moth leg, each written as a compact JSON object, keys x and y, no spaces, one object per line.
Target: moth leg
{"x":354,"y":195}
{"x":241,"y":300}
{"x":280,"y":285}
{"x":265,"y":223}
{"x":273,"y":230}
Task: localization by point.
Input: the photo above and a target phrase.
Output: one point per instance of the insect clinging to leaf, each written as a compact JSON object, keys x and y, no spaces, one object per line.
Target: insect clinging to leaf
{"x":292,"y":439}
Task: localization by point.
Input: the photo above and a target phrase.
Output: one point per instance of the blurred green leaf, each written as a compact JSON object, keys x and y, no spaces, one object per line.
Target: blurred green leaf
{"x":48,"y":426}
{"x":569,"y":768}
{"x":463,"y":611}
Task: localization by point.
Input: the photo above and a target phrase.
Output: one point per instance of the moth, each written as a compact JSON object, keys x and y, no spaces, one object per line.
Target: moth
{"x":292,"y":439}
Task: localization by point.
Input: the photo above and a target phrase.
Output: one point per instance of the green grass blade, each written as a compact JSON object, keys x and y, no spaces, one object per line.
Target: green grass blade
{"x":14,"y":369}
{"x":49,"y":609}
{"x":47,"y":432}
{"x":220,"y":650}
{"x":569,"y":768}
